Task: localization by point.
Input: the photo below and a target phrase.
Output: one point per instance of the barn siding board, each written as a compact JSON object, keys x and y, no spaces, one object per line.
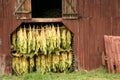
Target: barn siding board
{"x":118,"y":8}
{"x":91,"y":4}
{"x":108,"y":25}
{"x":95,"y":57}
{"x":8,"y":68}
{"x":92,"y":40}
{"x":6,"y":8}
{"x":117,"y":27}
{"x":1,"y":35}
{"x":114,"y":8}
{"x":80,"y":7}
{"x":81,"y":38}
{"x":81,"y":48}
{"x":86,"y":8}
{"x":114,"y":26}
{"x":96,"y":11}
{"x":1,"y":9}
{"x":86,"y":45}
{"x":2,"y":64}
{"x":6,"y":37}
{"x":106,"y":8}
{"x":99,"y":40}
{"x":81,"y":43}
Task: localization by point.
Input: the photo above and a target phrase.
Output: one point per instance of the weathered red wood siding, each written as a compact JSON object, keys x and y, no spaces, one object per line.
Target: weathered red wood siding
{"x":97,"y":18}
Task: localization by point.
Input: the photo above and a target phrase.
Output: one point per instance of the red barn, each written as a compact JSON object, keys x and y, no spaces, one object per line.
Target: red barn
{"x":89,"y":21}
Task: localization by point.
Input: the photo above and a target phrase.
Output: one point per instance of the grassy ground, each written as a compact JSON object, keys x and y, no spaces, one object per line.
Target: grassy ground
{"x":99,"y":74}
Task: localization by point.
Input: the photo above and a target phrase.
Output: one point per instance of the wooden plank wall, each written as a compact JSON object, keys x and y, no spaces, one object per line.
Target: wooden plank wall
{"x":7,"y":20}
{"x":98,"y":17}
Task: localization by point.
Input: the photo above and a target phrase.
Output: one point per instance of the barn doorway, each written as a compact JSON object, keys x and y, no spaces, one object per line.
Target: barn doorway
{"x":43,"y":47}
{"x":46,"y":8}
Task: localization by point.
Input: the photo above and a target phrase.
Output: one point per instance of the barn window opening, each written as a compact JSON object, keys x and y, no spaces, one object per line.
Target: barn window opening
{"x":46,"y":8}
{"x":28,"y":9}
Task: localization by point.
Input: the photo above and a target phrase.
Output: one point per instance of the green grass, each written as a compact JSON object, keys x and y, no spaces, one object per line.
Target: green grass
{"x":99,"y":74}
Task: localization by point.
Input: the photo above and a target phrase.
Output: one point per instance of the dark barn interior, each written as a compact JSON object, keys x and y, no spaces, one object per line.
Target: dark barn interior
{"x":46,"y":8}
